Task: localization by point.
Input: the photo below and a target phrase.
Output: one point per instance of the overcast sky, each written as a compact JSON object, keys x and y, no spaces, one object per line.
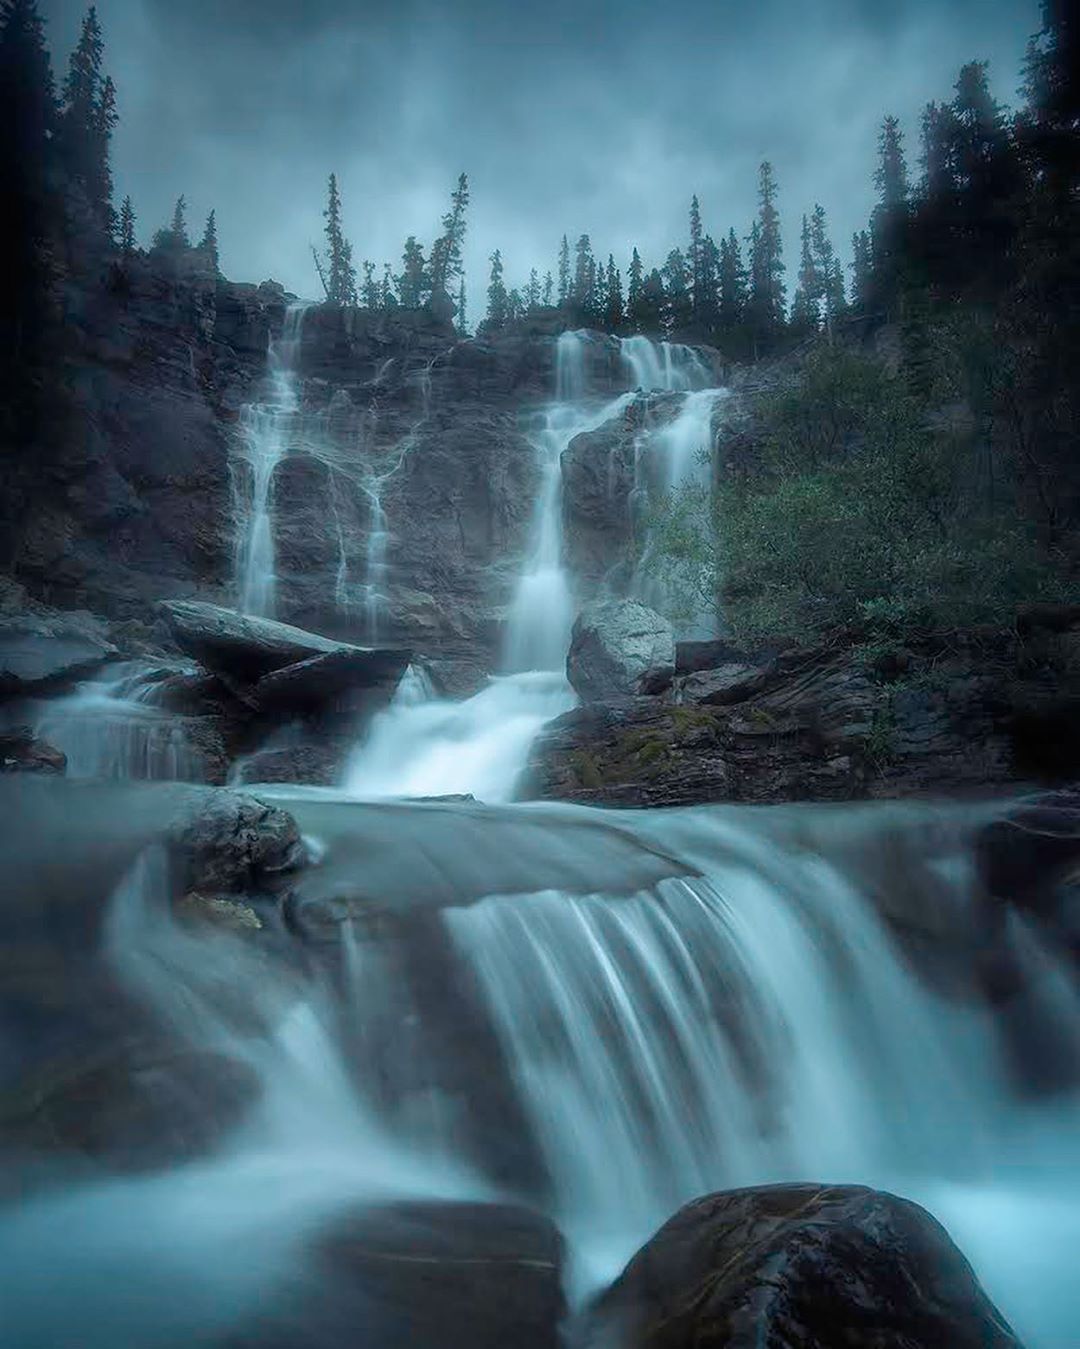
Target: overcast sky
{"x":598,"y":116}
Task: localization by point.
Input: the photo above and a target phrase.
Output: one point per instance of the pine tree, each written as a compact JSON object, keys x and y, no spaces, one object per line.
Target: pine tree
{"x":532,"y":292}
{"x":614,"y":317}
{"x":28,"y":114}
{"x":515,"y":305}
{"x":862,"y":272}
{"x":127,"y":227}
{"x":830,"y":296}
{"x":81,"y":91}
{"x":1050,"y":126}
{"x":101,"y":184}
{"x":387,"y":298}
{"x":548,"y":289}
{"x":806,"y":303}
{"x":446,"y":253}
{"x":370,"y":286}
{"x":581,"y":289}
{"x":733,"y":287}
{"x":413,"y":282}
{"x":462,"y":320}
{"x":174,"y":237}
{"x":676,"y":274}
{"x":209,"y":242}
{"x":891,"y":176}
{"x":635,"y":281}
{"x":695,"y":259}
{"x":767,"y":291}
{"x":889,"y":222}
{"x":340,"y":274}
{"x":497,"y":306}
{"x":564,"y":273}
{"x":652,"y":303}
{"x":707,"y":302}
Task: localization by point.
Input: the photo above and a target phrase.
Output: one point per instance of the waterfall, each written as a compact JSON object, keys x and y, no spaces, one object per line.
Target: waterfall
{"x":542,"y":612}
{"x":114,"y":727}
{"x":265,"y":437}
{"x":375,"y":571}
{"x":670,"y":366}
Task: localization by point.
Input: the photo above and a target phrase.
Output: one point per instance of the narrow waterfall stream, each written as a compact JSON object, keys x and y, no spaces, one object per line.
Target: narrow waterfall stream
{"x":602,"y":1014}
{"x":266,"y":432}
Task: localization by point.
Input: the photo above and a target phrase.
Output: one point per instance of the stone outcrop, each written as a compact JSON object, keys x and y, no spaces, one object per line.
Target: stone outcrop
{"x":821,"y":724}
{"x":801,"y":1266}
{"x":40,"y":650}
{"x":619,"y":648}
{"x":22,"y":752}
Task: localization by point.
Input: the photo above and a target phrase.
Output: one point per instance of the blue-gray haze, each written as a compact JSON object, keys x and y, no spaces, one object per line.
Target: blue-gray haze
{"x":568,"y":115}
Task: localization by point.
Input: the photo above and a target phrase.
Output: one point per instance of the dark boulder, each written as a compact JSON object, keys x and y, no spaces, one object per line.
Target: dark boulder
{"x":332,"y":679}
{"x":798,"y":1267}
{"x":38,"y":650}
{"x":619,"y":648}
{"x":22,"y":752}
{"x":238,"y":647}
{"x":427,"y":1275}
{"x":705,"y":655}
{"x":319,"y":763}
{"x":223,"y":840}
{"x":729,"y":683}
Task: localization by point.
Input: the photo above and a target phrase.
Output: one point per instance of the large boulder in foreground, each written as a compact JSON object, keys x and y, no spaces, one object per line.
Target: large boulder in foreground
{"x":427,"y":1275}
{"x":798,"y":1267}
{"x":620,"y":648}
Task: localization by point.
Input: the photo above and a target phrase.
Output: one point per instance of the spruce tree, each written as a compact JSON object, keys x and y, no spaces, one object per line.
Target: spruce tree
{"x":497,"y":306}
{"x":564,"y":273}
{"x":462,"y":319}
{"x":370,"y":287}
{"x":515,"y":305}
{"x":635,"y":281}
{"x":733,"y":287}
{"x":652,"y":303}
{"x":707,"y":301}
{"x":412,"y":283}
{"x":614,"y":317}
{"x":805,"y":305}
{"x":174,"y":237}
{"x":340,"y":282}
{"x":583,"y":284}
{"x":889,"y":222}
{"x":208,"y":244}
{"x":387,"y":298}
{"x":830,"y":297}
{"x":81,"y":91}
{"x":862,"y":269}
{"x":548,"y":289}
{"x":446,"y":252}
{"x":532,"y":292}
{"x":676,"y":274}
{"x":695,"y":259}
{"x":127,"y":227}
{"x":767,"y":291}
{"x":28,"y":114}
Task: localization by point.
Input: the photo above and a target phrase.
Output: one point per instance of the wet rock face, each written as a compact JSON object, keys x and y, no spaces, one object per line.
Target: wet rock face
{"x":798,"y":1266}
{"x":43,"y":649}
{"x":620,"y":648}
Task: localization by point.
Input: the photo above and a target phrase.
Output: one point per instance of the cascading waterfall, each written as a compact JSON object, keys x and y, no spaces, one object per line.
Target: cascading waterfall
{"x":542,"y":612}
{"x":479,"y":746}
{"x":669,"y":366}
{"x":266,"y":432}
{"x":114,"y":726}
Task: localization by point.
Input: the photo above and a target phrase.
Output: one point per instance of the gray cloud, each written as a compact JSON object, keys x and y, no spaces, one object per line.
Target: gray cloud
{"x":574,"y":115}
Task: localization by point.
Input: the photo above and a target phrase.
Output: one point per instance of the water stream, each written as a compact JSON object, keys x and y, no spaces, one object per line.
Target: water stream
{"x":670,"y":1002}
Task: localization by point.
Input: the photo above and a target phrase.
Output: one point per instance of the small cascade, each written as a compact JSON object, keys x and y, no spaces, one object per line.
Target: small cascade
{"x":427,"y":746}
{"x":375,"y":571}
{"x":542,"y":611}
{"x":114,"y":727}
{"x":265,"y":437}
{"x":663,"y":366}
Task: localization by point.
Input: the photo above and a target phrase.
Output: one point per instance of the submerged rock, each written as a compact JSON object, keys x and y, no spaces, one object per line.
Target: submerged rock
{"x":224,"y":840}
{"x":427,"y":1275}
{"x":798,"y":1267}
{"x":619,"y":648}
